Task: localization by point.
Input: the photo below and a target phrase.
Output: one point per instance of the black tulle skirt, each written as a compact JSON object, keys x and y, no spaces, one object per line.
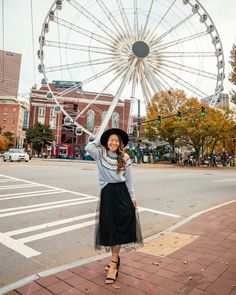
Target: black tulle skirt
{"x":118,"y":220}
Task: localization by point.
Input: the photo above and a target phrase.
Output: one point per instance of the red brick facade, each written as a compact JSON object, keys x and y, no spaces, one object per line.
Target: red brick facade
{"x":11,"y":119}
{"x":41,"y":110}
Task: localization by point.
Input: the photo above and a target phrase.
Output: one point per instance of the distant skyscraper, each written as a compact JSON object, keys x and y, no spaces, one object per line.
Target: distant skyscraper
{"x":9,"y":73}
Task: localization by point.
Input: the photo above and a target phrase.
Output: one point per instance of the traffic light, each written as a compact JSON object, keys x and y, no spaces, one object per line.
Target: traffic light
{"x":179,"y":116}
{"x":203,"y":111}
{"x":159,"y":119}
{"x":135,"y":131}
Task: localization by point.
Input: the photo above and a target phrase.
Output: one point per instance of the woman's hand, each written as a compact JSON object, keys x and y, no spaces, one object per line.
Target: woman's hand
{"x":134,"y":203}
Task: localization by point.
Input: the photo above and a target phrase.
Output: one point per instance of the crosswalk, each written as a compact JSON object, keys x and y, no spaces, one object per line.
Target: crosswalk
{"x":32,"y":190}
{"x":19,"y":191}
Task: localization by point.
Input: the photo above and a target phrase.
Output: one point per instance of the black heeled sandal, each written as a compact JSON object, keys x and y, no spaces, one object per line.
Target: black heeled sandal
{"x":110,"y":280}
{"x":107,"y":267}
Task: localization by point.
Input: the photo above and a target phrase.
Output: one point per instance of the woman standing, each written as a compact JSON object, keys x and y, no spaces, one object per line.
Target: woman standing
{"x":118,"y":219}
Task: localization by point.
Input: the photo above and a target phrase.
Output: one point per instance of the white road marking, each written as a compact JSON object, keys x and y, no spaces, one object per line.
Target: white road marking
{"x":27,"y":193}
{"x":18,"y":246}
{"x":6,"y":180}
{"x":2,"y":187}
{"x":51,"y":192}
{"x":185,"y":174}
{"x":42,"y":204}
{"x":224,"y":180}
{"x":49,"y":186}
{"x":159,"y":212}
{"x":44,"y":208}
{"x":57,"y":231}
{"x":48,"y":225}
{"x":6,"y":239}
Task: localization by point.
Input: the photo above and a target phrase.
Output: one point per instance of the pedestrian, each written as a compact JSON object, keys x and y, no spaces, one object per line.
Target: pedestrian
{"x":214,"y":158}
{"x":118,"y":221}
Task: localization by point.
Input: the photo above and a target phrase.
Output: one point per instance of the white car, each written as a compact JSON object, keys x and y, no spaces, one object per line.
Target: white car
{"x":15,"y":155}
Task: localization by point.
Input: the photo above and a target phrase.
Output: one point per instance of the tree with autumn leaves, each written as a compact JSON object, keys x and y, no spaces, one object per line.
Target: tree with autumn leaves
{"x":4,"y":143}
{"x":6,"y":140}
{"x":201,"y":133}
{"x":165,"y":103}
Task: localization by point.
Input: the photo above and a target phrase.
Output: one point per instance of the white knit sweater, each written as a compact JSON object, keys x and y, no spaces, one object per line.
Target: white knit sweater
{"x":107,"y":167}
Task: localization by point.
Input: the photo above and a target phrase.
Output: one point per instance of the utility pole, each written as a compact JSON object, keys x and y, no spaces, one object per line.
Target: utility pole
{"x":138,"y":133}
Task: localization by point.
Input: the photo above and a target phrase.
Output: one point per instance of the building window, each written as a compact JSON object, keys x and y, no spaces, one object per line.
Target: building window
{"x":41,"y":115}
{"x":90,"y":120}
{"x":41,"y":112}
{"x":53,"y":123}
{"x":41,"y":120}
{"x":52,"y":113}
{"x":115,"y":120}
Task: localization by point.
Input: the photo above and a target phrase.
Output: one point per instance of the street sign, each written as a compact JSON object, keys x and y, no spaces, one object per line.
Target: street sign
{"x":66,"y":84}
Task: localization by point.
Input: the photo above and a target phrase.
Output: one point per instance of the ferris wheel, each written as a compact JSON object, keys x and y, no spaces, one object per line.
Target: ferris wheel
{"x":130,"y":48}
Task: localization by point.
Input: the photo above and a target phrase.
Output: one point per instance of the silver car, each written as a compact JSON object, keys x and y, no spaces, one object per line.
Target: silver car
{"x":15,"y":155}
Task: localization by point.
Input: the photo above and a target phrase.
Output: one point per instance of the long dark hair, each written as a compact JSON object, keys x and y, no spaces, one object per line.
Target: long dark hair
{"x":121,"y":155}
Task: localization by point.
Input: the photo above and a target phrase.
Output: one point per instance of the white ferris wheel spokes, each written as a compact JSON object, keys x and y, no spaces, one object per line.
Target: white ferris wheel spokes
{"x":130,"y":48}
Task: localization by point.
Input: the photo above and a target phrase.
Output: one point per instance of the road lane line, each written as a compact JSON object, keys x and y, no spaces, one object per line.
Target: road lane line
{"x":185,"y":174}
{"x":18,"y":246}
{"x":159,"y":212}
{"x":56,"y":231}
{"x":49,"y":186}
{"x":7,"y":180}
{"x":42,"y":204}
{"x":225,"y":180}
{"x":18,"y":186}
{"x":77,"y":226}
{"x":48,"y":225}
{"x":33,"y":195}
{"x":44,"y":208}
{"x":27,"y":193}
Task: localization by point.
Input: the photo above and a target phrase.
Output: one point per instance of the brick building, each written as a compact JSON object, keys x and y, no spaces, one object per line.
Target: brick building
{"x":9,"y":73}
{"x":12,"y":113}
{"x":42,"y":109}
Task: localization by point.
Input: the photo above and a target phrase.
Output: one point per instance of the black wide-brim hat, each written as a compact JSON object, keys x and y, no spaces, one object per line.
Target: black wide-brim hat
{"x":106,"y":134}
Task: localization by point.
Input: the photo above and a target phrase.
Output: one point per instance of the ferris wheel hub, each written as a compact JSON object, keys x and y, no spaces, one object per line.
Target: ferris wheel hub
{"x":140,"y":49}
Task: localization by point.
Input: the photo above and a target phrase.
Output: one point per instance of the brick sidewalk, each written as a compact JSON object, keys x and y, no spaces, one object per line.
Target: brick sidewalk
{"x":197,"y":258}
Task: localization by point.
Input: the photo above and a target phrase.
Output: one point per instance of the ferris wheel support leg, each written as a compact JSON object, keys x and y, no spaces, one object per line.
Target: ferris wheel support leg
{"x":115,"y":100}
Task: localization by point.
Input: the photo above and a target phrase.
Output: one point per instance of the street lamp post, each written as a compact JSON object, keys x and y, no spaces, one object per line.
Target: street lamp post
{"x":138,"y":130}
{"x":72,"y":141}
{"x":138,"y":133}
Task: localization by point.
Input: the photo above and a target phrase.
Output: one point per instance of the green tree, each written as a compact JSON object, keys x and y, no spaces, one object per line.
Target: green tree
{"x":203,"y":133}
{"x":165,"y":103}
{"x":232,"y":75}
{"x":38,"y":135}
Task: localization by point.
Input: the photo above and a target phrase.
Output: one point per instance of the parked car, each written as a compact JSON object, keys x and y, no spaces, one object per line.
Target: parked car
{"x":15,"y":155}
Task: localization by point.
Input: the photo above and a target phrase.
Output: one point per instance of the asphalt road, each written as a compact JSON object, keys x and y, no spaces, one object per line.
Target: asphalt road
{"x":47,"y":208}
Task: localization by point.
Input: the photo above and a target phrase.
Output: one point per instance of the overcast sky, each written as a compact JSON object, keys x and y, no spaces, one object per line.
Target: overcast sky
{"x":18,"y":32}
